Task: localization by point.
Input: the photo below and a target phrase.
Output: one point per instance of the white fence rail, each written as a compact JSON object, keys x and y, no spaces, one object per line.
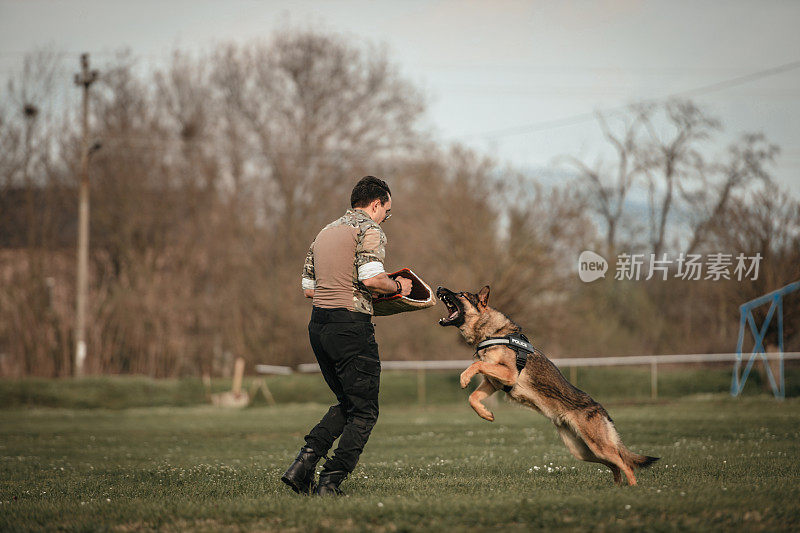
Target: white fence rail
{"x":570,"y":362}
{"x":629,"y":360}
{"x":274,"y":369}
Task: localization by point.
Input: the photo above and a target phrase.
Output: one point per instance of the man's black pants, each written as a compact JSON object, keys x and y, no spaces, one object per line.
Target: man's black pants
{"x":344,"y":344}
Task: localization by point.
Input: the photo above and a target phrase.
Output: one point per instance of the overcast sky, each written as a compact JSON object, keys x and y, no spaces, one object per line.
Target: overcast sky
{"x":496,"y":73}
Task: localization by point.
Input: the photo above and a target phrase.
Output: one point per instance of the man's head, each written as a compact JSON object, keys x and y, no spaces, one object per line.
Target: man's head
{"x":372,"y":196}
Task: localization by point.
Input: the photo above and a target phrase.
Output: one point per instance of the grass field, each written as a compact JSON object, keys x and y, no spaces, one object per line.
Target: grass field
{"x":397,"y":388}
{"x":725,"y":464}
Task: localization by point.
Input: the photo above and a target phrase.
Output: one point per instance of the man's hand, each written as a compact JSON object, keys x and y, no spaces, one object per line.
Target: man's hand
{"x":405,"y":285}
{"x":309,"y":293}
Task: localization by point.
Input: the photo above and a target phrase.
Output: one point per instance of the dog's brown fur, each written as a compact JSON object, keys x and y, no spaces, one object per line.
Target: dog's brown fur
{"x":582,"y":423}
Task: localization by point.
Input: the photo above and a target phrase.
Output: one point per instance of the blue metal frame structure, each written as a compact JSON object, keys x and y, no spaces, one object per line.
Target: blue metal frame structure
{"x":775,"y":299}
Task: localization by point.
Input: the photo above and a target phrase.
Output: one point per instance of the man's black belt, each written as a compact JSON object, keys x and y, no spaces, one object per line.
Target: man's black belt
{"x":338,"y":314}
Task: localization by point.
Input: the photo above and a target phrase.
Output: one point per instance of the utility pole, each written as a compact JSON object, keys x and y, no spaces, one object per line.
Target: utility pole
{"x":84,"y":78}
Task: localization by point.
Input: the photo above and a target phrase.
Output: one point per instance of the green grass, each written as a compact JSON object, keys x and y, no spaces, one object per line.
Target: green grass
{"x":397,"y":388}
{"x":725,"y":464}
{"x":110,"y":392}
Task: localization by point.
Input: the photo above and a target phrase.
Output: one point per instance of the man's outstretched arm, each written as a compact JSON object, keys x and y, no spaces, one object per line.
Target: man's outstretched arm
{"x":383,"y":284}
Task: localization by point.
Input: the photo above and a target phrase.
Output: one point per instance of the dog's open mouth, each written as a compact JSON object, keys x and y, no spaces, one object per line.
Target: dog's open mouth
{"x":453,"y":309}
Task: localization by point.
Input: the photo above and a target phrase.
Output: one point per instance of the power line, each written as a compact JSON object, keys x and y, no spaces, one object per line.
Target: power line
{"x":584,"y":117}
{"x":733,"y":82}
{"x":493,"y":91}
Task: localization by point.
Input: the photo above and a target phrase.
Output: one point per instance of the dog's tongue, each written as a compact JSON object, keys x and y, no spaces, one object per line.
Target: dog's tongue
{"x":450,"y":318}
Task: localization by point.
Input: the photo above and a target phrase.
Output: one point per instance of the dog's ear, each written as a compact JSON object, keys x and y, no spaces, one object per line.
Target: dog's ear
{"x":483,"y":296}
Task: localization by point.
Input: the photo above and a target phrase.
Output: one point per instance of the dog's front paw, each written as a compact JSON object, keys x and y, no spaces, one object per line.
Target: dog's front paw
{"x":481,"y":410}
{"x":466,"y":377}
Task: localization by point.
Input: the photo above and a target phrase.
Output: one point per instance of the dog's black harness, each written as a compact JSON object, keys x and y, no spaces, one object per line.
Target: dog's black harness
{"x":517,"y":342}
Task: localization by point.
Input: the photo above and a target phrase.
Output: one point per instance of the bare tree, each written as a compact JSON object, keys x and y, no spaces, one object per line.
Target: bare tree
{"x":314,"y":105}
{"x":768,"y":224}
{"x":608,"y":186}
{"x":745,"y":166}
{"x":30,"y":327}
{"x":545,"y":234}
{"x":670,"y":159}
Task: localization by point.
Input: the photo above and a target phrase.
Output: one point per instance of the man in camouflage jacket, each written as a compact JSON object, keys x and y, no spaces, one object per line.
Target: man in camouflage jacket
{"x":344,"y":267}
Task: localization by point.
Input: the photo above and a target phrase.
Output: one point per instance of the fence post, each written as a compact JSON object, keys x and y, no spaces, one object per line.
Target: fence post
{"x":421,"y":386}
{"x":653,"y":379}
{"x":238,"y":374}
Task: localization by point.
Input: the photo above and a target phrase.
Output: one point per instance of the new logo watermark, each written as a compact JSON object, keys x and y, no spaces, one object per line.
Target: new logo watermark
{"x":635,"y":267}
{"x":591,"y":266}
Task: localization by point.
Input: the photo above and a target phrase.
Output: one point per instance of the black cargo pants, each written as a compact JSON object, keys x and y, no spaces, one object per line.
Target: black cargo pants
{"x":345,"y":347}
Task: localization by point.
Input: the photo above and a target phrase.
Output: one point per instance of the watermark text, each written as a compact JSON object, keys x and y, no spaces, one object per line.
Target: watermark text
{"x":690,"y":267}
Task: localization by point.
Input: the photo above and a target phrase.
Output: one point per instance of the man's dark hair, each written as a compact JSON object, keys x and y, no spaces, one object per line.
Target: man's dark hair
{"x":368,"y":189}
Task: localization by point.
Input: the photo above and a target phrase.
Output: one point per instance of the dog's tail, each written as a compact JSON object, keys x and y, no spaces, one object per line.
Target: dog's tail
{"x":634,"y":460}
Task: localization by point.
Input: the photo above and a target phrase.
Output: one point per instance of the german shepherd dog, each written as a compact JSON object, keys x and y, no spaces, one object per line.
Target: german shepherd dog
{"x":582,"y":423}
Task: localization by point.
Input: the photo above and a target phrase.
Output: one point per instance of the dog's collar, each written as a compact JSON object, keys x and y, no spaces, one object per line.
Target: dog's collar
{"x":517,"y":342}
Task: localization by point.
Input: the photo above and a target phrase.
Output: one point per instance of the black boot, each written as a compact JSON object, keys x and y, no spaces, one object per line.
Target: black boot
{"x":300,"y":475}
{"x":329,"y":483}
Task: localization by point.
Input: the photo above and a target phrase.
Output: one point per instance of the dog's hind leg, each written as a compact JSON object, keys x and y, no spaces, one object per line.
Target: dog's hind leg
{"x":575,"y":444}
{"x":607,"y":448}
{"x":578,"y":448}
{"x":600,"y":437}
{"x":615,"y":471}
{"x":484,"y":390}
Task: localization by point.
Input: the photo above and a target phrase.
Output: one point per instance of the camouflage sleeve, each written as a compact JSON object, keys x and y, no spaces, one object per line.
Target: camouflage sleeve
{"x":308,"y":277}
{"x":371,"y":253}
